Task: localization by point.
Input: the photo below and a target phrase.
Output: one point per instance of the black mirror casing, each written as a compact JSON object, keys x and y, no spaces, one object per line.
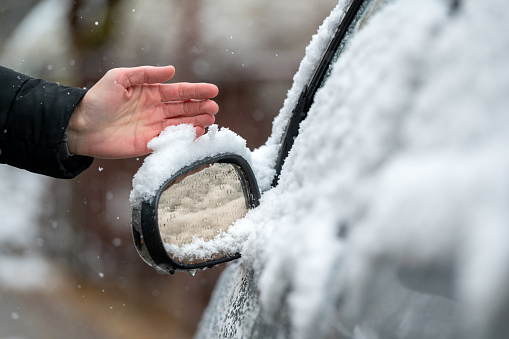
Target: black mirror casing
{"x":145,"y":225}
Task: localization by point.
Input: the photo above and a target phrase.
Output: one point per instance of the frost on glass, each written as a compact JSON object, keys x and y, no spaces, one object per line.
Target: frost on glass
{"x":201,"y":205}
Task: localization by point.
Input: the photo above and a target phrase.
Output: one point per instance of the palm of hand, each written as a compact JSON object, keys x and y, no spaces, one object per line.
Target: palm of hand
{"x":129,"y":107}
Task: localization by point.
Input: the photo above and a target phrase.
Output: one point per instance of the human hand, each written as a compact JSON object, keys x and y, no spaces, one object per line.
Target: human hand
{"x":128,"y":107}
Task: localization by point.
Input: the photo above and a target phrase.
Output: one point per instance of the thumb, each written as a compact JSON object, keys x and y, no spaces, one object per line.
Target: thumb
{"x":145,"y":75}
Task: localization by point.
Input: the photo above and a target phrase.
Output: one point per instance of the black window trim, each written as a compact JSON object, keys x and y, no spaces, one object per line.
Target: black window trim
{"x":307,"y":95}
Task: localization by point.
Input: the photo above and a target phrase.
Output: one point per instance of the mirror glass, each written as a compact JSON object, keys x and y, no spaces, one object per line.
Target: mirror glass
{"x":201,"y":204}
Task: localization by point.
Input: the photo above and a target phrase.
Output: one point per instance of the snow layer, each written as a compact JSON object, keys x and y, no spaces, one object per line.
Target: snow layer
{"x":177,"y":147}
{"x":267,"y":154}
{"x":401,"y":164}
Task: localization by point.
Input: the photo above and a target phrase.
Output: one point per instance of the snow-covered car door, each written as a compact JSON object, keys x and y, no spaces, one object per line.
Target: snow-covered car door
{"x":235,"y":309}
{"x":188,"y":206}
{"x":390,"y":211}
{"x":390,"y":214}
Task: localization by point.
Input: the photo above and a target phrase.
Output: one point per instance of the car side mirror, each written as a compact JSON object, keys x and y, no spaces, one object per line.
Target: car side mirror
{"x":194,"y":206}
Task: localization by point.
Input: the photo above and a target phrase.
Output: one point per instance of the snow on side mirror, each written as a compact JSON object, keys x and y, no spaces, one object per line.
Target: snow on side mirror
{"x":177,"y":230}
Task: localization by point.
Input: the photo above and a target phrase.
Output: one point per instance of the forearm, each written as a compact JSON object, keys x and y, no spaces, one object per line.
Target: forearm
{"x":34,"y":115}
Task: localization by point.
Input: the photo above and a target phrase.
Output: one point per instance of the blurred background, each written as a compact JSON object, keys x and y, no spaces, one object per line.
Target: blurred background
{"x":68,"y":267}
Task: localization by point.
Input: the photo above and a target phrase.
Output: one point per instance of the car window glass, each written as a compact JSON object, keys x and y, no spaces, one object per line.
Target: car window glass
{"x":355,"y":18}
{"x":365,"y":14}
{"x":358,"y":11}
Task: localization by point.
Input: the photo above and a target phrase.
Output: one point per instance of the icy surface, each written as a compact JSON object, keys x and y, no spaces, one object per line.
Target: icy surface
{"x":401,"y":164}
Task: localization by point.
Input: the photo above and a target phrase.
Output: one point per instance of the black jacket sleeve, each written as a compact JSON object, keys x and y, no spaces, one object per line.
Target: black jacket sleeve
{"x":34,"y":115}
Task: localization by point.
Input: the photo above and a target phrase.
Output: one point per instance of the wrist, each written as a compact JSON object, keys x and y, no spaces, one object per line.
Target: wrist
{"x":74,"y":131}
{"x":63,"y":149}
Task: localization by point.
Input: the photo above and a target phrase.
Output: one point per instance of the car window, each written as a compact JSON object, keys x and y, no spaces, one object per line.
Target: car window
{"x":356,"y":17}
{"x":363,"y":16}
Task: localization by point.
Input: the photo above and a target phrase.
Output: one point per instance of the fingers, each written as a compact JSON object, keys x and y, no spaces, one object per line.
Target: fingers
{"x":200,"y":114}
{"x":202,"y":120}
{"x":190,"y":108}
{"x":129,"y":77}
{"x":199,"y":131}
{"x":187,"y":91}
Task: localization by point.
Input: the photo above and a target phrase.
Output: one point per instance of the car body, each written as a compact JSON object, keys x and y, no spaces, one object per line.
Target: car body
{"x":389,"y":217}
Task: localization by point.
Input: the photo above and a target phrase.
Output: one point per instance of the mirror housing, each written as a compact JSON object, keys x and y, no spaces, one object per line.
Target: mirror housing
{"x":181,"y":214}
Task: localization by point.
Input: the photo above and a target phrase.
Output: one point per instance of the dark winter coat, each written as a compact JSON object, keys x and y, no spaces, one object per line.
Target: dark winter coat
{"x":34,"y":115}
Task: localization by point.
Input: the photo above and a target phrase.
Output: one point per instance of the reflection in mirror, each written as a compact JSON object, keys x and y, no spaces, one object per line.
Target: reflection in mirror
{"x":201,"y":204}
